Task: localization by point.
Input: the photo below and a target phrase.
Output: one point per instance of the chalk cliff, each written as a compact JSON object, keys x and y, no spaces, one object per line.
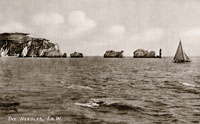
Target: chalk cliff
{"x":26,"y":45}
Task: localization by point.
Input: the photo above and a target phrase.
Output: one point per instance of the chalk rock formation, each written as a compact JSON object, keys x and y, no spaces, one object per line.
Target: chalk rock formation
{"x":113,"y":54}
{"x":141,"y":53}
{"x":25,"y":45}
{"x":64,"y":55}
{"x":76,"y":55}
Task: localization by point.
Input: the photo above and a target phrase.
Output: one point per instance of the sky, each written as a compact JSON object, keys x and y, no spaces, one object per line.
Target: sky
{"x":94,"y":26}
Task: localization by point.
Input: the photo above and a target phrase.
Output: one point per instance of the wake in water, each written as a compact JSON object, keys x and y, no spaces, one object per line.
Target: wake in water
{"x":109,"y":102}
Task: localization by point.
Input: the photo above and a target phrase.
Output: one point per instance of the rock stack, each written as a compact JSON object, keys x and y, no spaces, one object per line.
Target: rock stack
{"x":76,"y":55}
{"x":113,"y":54}
{"x":141,"y":53}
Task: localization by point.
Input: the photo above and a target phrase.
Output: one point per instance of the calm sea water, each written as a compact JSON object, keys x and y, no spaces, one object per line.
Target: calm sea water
{"x":94,"y":90}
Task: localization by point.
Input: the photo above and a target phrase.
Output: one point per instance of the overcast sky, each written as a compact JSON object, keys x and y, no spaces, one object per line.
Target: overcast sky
{"x":94,"y":26}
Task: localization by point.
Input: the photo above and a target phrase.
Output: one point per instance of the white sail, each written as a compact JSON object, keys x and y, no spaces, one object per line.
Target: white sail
{"x":187,"y":59}
{"x":180,"y":55}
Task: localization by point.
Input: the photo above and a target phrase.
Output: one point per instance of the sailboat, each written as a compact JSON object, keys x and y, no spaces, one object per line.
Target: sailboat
{"x":181,"y":56}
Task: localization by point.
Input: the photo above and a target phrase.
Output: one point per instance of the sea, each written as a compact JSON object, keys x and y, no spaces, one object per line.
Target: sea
{"x":97,"y":90}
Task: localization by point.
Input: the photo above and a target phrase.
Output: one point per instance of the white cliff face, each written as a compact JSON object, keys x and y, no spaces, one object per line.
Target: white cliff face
{"x":25,"y":51}
{"x":29,"y":43}
{"x":41,"y":53}
{"x":4,"y":52}
{"x":56,"y":46}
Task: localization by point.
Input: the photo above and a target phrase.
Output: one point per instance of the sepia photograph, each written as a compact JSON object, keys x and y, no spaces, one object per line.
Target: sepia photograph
{"x":99,"y":62}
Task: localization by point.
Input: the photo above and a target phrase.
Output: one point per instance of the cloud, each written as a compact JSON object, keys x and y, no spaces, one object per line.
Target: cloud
{"x":150,"y":35}
{"x":79,"y":23}
{"x":48,"y":19}
{"x":113,"y":34}
{"x":190,"y":41}
{"x":191,"y":36}
{"x":191,"y":32}
{"x":116,"y":30}
{"x":153,"y":34}
{"x":150,"y":39}
{"x":12,"y":27}
{"x":48,"y":24}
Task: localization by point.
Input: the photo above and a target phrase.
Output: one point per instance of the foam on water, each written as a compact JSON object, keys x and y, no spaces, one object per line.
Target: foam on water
{"x":188,"y":84}
{"x":79,"y":87}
